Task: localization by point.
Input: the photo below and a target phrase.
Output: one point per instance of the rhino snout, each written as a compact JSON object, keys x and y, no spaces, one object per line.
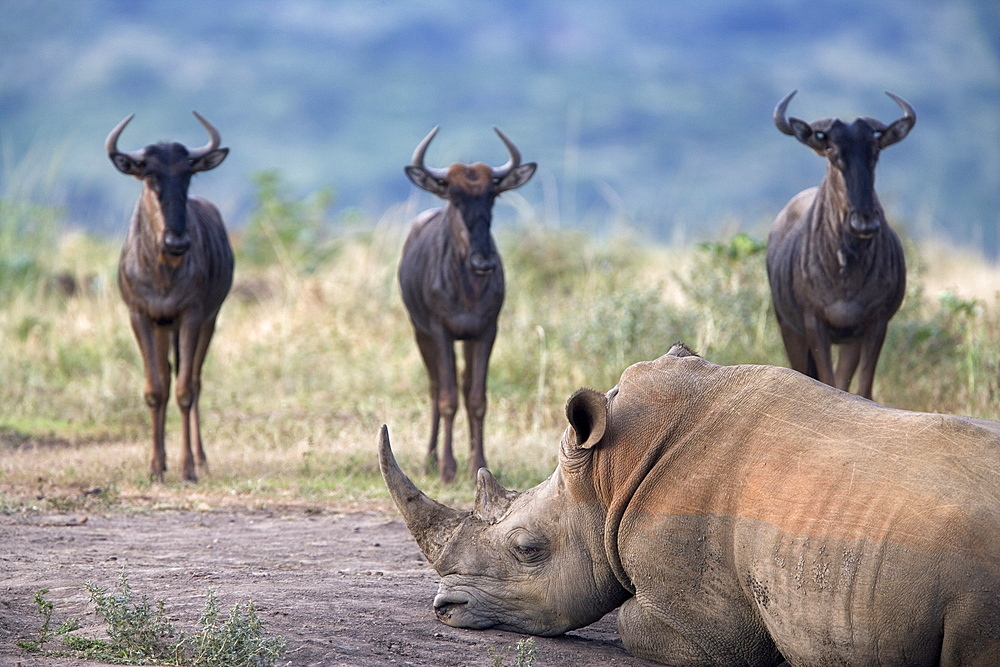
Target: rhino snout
{"x":450,"y":608}
{"x":459,"y":610}
{"x":446,"y":604}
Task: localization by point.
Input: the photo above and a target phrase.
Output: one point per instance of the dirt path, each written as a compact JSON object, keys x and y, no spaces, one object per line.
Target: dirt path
{"x":342,"y":589}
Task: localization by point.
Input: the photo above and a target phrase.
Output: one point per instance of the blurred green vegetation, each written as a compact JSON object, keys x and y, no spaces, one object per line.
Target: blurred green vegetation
{"x":287,"y":231}
{"x":314,"y":352}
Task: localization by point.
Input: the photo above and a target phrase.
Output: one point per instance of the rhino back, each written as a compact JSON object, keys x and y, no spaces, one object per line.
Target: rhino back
{"x":751,"y":504}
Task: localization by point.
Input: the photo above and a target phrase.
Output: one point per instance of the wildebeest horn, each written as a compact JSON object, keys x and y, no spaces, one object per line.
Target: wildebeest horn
{"x":513,"y":162}
{"x":111,"y":143}
{"x":908,"y":111}
{"x":431,"y":523}
{"x":779,"y":114}
{"x":213,"y":139}
{"x":418,"y":156}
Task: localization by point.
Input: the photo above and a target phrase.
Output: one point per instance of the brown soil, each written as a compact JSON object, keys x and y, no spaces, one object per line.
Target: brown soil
{"x":341,"y":588}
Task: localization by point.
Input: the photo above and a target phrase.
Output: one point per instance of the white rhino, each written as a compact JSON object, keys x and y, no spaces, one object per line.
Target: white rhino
{"x":739,"y":515}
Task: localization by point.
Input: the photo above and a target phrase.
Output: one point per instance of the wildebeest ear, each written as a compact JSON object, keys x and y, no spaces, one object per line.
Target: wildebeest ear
{"x":126,"y":164}
{"x":805,"y":133}
{"x":425,"y":181}
{"x":897,"y":131}
{"x":587,"y":413}
{"x":517,"y":177}
{"x":210,"y":160}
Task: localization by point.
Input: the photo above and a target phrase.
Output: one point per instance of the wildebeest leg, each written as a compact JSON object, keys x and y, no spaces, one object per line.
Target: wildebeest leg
{"x":847,"y":364}
{"x":187,"y":347}
{"x":818,"y":340}
{"x":428,"y":352}
{"x":447,"y":403}
{"x":477,"y":359}
{"x":796,"y":348}
{"x":204,"y":338}
{"x":154,"y":345}
{"x":871,"y":348}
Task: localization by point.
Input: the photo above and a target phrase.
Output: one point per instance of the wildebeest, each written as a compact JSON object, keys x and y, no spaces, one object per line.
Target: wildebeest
{"x":175,"y":270}
{"x":738,"y":515}
{"x":836,"y":268}
{"x":452,"y":284}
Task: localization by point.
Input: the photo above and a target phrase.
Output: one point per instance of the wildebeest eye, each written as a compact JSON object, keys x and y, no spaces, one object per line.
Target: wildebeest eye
{"x":878,"y":134}
{"x":821,"y":136}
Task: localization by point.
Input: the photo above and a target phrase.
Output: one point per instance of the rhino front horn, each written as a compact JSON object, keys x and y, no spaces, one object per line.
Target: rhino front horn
{"x":431,"y":523}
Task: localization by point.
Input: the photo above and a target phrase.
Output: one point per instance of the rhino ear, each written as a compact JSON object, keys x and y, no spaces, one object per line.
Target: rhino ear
{"x":587,"y":413}
{"x":492,"y":500}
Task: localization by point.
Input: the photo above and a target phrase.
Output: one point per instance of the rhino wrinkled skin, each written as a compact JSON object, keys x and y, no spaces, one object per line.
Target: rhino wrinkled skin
{"x":738,"y":515}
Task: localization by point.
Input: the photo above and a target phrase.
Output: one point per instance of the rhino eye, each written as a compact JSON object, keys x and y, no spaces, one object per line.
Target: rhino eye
{"x":528,"y":549}
{"x":530,"y":554}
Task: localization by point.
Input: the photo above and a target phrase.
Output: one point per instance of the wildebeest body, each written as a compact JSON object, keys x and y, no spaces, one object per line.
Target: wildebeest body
{"x":850,"y":285}
{"x":175,"y":270}
{"x":440,"y":289}
{"x":452,"y":283}
{"x":836,"y":268}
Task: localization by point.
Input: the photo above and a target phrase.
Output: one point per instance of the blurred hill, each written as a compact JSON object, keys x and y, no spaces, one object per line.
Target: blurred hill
{"x":654,"y":115}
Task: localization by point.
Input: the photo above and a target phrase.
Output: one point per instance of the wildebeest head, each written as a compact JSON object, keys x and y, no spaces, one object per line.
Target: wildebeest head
{"x":165,"y":170}
{"x":472,"y":189}
{"x":851,"y":151}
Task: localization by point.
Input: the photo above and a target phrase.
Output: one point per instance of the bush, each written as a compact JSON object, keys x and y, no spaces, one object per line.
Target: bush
{"x":289,"y":233}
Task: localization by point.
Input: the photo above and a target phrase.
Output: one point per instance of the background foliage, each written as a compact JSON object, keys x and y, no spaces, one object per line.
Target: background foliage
{"x":314,"y":352}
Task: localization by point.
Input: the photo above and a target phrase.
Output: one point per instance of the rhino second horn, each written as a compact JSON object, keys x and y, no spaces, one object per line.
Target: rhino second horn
{"x":492,"y":499}
{"x":431,"y":523}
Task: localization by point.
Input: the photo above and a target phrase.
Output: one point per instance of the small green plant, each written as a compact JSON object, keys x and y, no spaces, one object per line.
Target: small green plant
{"x":237,"y":641}
{"x":45,"y":632}
{"x":140,"y":633}
{"x":286,"y":231}
{"x":524,"y":654}
{"x":137,"y":630}
{"x":28,"y":232}
{"x":730,"y":302}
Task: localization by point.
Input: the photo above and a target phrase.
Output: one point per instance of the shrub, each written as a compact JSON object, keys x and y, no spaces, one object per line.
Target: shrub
{"x":140,"y":633}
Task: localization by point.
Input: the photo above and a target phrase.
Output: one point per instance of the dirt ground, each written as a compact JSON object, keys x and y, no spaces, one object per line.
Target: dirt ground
{"x":341,"y":588}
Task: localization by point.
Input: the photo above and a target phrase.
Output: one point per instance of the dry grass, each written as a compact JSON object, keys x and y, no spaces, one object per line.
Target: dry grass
{"x":306,"y":366}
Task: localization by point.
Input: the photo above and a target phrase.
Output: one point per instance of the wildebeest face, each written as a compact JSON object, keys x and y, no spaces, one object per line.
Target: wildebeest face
{"x":166,"y":170}
{"x":852,"y":152}
{"x":472,"y":189}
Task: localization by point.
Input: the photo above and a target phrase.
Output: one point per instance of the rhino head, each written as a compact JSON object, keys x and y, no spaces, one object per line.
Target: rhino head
{"x":533,"y":562}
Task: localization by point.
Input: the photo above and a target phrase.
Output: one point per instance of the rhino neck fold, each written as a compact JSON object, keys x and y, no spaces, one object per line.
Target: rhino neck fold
{"x":618,"y":504}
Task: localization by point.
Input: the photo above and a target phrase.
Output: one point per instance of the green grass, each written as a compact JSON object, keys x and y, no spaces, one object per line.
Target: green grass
{"x":314,"y":351}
